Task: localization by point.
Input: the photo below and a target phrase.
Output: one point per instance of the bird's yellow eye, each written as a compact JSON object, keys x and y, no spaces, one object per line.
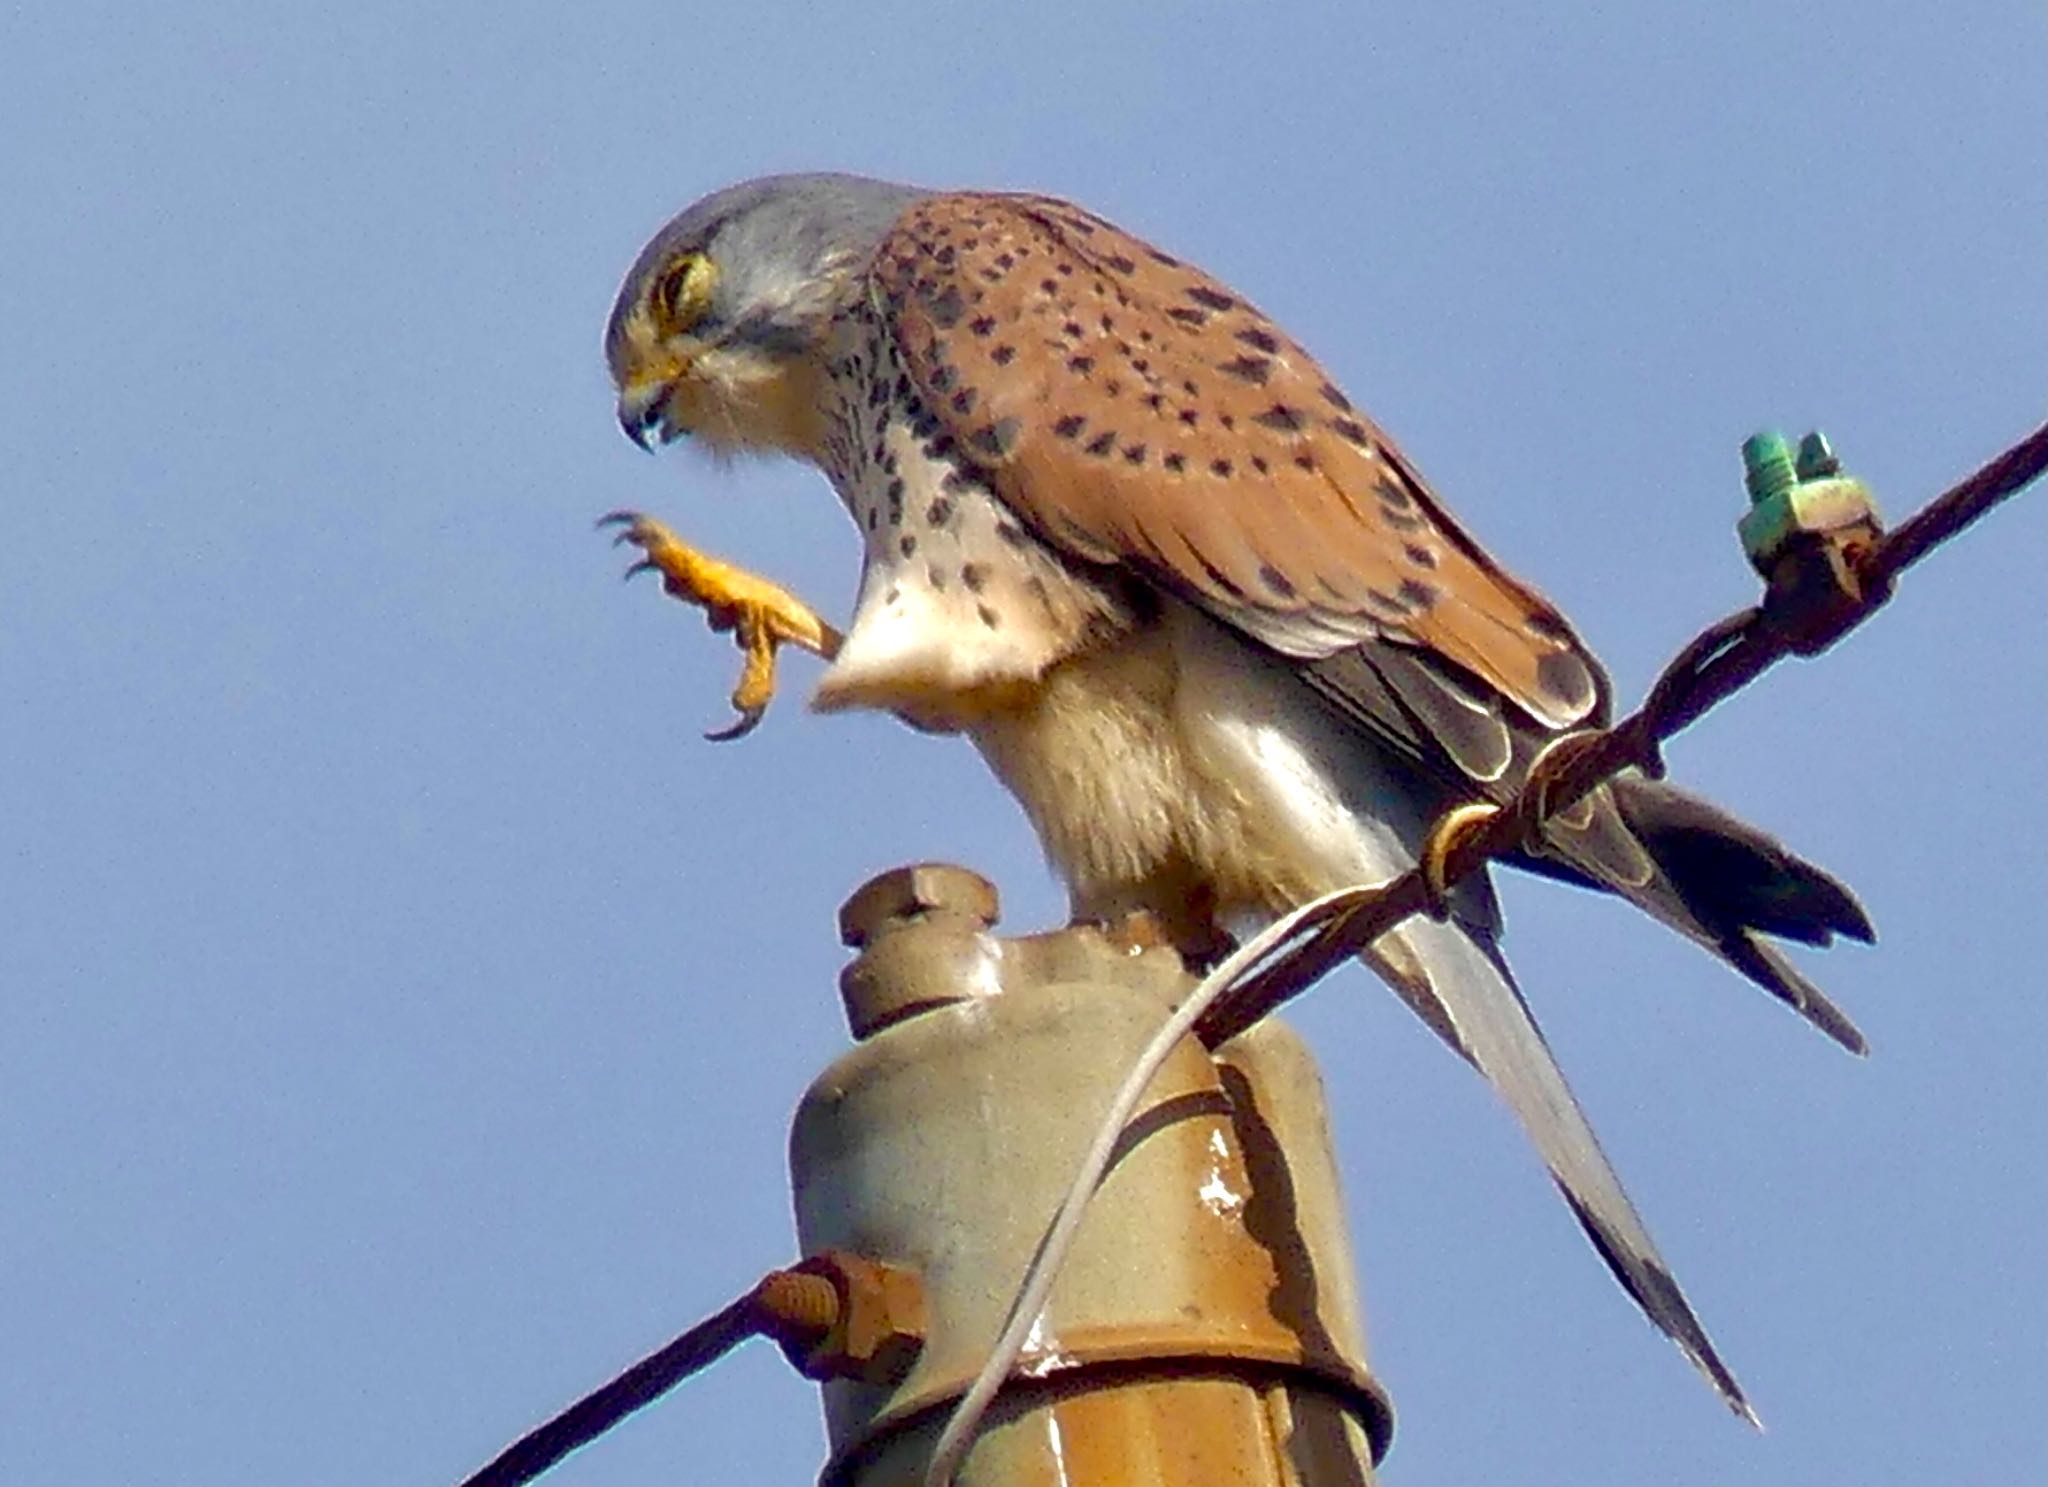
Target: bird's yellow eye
{"x":682,"y":291}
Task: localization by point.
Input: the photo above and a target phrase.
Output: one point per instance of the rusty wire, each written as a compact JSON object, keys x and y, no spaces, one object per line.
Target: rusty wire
{"x":1718,"y":662}
{"x":784,"y":1302}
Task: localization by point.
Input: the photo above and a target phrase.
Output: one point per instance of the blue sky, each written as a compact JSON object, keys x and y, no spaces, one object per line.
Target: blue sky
{"x":401,"y":1009}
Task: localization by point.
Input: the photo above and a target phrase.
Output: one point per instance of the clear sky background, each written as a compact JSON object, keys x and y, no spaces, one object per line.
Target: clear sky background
{"x":401,"y":1009}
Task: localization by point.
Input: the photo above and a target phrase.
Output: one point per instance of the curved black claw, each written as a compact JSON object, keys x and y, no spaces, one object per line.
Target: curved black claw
{"x":645,"y":565}
{"x":749,"y":720}
{"x":620,"y":518}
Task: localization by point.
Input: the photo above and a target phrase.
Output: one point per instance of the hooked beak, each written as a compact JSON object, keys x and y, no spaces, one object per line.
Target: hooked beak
{"x":643,"y":414}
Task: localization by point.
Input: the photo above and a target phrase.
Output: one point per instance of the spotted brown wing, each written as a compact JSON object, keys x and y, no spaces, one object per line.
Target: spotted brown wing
{"x":1137,"y":412}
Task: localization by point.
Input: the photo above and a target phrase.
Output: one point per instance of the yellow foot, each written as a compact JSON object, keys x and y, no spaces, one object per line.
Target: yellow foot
{"x":762,"y":615}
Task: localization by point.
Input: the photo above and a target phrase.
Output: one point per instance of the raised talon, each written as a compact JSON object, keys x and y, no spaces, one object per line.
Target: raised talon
{"x":763,"y":615}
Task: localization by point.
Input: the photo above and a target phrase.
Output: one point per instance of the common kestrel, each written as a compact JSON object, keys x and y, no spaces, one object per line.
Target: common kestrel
{"x":1200,"y":615}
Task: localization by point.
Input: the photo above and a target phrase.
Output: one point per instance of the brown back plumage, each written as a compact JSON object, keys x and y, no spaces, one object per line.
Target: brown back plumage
{"x":1135,"y":411}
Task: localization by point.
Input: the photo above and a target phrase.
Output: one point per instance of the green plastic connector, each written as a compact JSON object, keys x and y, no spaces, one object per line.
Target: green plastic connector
{"x":1792,"y":497}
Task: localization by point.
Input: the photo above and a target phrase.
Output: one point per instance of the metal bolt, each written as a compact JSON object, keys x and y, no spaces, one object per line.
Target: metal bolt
{"x":907,"y":894}
{"x":839,"y":1315}
{"x":1767,"y":468}
{"x":1817,"y":458}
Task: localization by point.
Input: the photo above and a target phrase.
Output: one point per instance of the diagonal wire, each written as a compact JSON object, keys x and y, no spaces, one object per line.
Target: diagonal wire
{"x":1297,"y":950}
{"x":640,"y":1385}
{"x":1059,"y":1238}
{"x":1717,"y":663}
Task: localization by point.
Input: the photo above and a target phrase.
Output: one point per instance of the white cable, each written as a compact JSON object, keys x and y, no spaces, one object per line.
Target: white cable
{"x":1059,"y":1238}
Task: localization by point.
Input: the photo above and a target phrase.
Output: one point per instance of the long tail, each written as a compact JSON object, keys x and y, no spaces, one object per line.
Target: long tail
{"x":1457,"y":982}
{"x":1714,"y":879}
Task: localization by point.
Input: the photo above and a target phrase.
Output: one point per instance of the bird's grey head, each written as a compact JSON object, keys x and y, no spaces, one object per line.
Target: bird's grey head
{"x":720,"y":326}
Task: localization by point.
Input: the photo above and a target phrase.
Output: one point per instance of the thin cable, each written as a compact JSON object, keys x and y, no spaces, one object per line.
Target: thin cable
{"x":640,"y":1385}
{"x":1716,"y":664}
{"x":1059,"y":1238}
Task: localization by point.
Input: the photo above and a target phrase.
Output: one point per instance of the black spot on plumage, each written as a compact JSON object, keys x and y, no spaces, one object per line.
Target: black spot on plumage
{"x":975,"y":576}
{"x":1391,"y":495}
{"x":1259,"y":339}
{"x":988,"y":616}
{"x":1252,"y":369}
{"x":1002,"y":356}
{"x":965,"y":399}
{"x":946,"y":307}
{"x":1275,"y":580}
{"x":1081,"y":364}
{"x":1175,"y":462}
{"x":1190,"y":417}
{"x":1187,"y":315}
{"x":1220,"y":468}
{"x":1280,"y":418}
{"x":1072,"y":330}
{"x":956,"y":480}
{"x":1335,"y":398}
{"x":1202,"y":294}
{"x":907,"y":545}
{"x":1417,"y":594}
{"x":983,"y":325}
{"x":1011,"y":533}
{"x":939,"y":512}
{"x":1352,"y":429}
{"x":1166,"y":258}
{"x":943,"y":377}
{"x":1259,"y":464}
{"x":999,"y":438}
{"x":936,"y":576}
{"x":1048,"y":286}
{"x":1101,"y":444}
{"x":1121,"y":264}
{"x":1419,"y":555}
{"x":1134,"y":454}
{"x":1069,"y":426}
{"x":1563,"y":676}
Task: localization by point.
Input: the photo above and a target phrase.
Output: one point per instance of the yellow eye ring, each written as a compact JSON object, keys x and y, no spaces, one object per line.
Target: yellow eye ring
{"x":683,"y":290}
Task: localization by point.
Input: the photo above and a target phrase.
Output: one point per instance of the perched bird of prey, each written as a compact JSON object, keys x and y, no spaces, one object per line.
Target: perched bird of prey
{"x":1199,"y":614}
